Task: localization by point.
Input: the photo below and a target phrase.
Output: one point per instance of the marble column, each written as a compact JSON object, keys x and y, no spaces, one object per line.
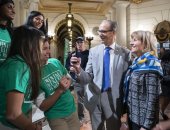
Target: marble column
{"x":22,"y":9}
{"x":111,"y":14}
{"x":24,"y":5}
{"x":121,"y":18}
{"x":33,"y":5}
{"x":16,"y":20}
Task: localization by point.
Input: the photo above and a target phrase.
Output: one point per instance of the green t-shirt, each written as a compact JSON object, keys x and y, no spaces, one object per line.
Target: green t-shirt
{"x":14,"y":76}
{"x":5,"y":41}
{"x":52,"y":72}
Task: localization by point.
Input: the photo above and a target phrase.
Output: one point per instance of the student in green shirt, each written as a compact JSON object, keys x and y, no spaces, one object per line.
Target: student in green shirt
{"x":20,"y":78}
{"x":7,"y":14}
{"x":57,"y":101}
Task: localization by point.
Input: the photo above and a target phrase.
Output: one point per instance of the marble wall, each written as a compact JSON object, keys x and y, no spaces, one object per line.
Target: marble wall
{"x":130,"y":17}
{"x":147,"y":15}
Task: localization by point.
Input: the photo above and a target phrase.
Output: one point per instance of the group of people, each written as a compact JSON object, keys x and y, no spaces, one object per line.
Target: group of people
{"x":106,"y":80}
{"x":129,"y":88}
{"x":29,"y":75}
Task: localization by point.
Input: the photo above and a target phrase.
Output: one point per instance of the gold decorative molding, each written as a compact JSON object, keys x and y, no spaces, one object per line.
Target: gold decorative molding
{"x":79,"y":6}
{"x":136,"y":1}
{"x":25,"y":3}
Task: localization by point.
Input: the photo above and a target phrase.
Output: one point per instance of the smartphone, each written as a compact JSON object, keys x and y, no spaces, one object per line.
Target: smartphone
{"x":77,"y":54}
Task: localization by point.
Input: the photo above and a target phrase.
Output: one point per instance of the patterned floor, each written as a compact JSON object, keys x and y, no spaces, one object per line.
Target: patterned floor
{"x":87,"y":126}
{"x":167,"y":111}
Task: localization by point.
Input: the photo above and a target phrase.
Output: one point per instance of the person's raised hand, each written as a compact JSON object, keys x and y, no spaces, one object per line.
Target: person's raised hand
{"x":75,"y":64}
{"x":64,"y":83}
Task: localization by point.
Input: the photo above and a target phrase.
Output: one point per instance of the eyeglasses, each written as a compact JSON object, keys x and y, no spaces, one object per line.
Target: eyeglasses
{"x":104,"y":31}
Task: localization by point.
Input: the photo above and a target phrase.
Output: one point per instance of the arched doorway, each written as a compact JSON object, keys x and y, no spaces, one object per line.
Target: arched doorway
{"x":61,"y":32}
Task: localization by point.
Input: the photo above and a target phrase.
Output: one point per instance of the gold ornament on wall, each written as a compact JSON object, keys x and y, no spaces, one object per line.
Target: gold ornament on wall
{"x":136,"y":1}
{"x":162,"y":31}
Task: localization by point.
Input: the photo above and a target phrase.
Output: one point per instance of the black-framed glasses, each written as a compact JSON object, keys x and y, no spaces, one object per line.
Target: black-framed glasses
{"x":104,"y":31}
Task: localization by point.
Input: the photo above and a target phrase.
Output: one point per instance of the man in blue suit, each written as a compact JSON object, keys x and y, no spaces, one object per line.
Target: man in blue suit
{"x":104,"y":102}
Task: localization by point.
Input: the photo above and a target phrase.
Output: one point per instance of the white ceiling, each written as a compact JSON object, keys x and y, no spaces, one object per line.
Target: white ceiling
{"x":78,"y":6}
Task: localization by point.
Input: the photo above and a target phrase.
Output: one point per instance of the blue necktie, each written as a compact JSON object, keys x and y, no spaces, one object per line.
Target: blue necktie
{"x":106,"y":70}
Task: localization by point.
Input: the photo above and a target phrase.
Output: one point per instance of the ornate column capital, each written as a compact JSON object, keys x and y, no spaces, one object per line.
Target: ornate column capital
{"x":25,"y":3}
{"x":121,"y":3}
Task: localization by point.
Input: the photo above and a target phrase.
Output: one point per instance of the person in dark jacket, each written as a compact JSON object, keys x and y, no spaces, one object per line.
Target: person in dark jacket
{"x":82,"y":53}
{"x":165,"y":94}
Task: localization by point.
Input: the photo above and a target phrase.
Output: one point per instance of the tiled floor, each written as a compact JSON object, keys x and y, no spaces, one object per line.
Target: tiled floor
{"x":167,"y":111}
{"x":46,"y":127}
{"x":39,"y":114}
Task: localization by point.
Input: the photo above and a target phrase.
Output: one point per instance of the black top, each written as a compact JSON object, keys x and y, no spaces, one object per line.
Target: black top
{"x":84,"y":58}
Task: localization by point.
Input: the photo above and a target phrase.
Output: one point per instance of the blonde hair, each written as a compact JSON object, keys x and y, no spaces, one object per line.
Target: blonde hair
{"x":148,"y":39}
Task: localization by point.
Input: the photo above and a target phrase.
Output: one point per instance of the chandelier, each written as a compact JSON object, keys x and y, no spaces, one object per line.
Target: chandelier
{"x":69,"y":18}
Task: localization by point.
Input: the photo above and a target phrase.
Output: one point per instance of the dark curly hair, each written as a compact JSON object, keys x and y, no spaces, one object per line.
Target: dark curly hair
{"x":30,"y":18}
